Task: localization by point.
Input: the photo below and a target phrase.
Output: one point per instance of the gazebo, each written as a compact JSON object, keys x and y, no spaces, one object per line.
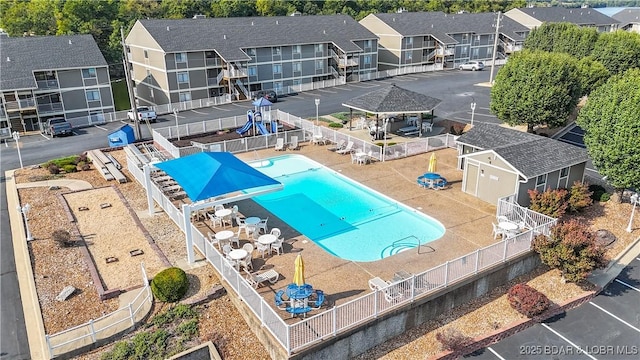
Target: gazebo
{"x":392,"y":100}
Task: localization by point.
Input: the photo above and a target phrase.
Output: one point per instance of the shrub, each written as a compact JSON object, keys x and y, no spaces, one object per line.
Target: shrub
{"x":579,"y":197}
{"x":550,"y":202}
{"x":170,"y":284}
{"x":53,"y":169}
{"x":598,"y":193}
{"x":335,"y":125}
{"x":70,"y":168}
{"x":572,"y":249}
{"x":62,"y":237}
{"x":456,"y":129}
{"x":453,"y":340}
{"x":188,"y":329}
{"x":527,"y":300}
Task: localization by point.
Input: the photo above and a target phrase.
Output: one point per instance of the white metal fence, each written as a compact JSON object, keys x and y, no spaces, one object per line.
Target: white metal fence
{"x":294,"y":337}
{"x":102,"y":327}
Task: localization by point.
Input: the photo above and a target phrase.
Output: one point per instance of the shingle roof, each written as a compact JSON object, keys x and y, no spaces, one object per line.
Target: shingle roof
{"x":21,"y":56}
{"x":530,"y":154}
{"x":228,"y":35}
{"x":439,"y":24}
{"x":576,"y":16}
{"x":393,"y":99}
{"x":628,"y":16}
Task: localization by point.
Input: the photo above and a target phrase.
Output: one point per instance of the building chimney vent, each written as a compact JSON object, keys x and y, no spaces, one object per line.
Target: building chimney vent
{"x":324,"y":32}
{"x":70,"y":43}
{"x":252,"y":23}
{"x":224,"y":36}
{"x":167,"y":28}
{"x":277,"y":23}
{"x":8,"y":59}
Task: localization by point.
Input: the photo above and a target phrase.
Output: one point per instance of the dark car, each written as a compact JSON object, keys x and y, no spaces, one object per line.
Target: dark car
{"x":269,"y":95}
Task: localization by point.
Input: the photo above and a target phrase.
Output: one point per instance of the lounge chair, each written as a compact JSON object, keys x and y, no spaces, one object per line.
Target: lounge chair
{"x":390,"y":292}
{"x":347,"y":149}
{"x":339,"y":146}
{"x":294,"y":143}
{"x":257,"y":279}
{"x":279,"y":145}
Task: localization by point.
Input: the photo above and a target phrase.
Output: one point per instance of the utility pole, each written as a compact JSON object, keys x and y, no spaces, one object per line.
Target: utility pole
{"x":495,"y":47}
{"x":132,"y":100}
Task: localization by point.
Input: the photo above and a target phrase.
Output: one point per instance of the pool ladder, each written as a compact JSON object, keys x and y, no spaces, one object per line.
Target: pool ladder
{"x":404,"y":244}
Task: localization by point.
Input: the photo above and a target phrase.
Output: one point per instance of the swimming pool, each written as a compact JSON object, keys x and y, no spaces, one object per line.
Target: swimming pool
{"x":345,"y":218}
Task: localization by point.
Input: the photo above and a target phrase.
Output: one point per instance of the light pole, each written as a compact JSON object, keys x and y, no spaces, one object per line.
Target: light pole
{"x":317,"y":104}
{"x":24,"y":210}
{"x":473,"y":111}
{"x":495,"y":48}
{"x":175,"y":113}
{"x":16,"y":137}
{"x":635,"y":200}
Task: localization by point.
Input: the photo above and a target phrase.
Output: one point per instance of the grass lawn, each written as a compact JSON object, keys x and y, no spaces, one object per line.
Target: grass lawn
{"x":120,"y":95}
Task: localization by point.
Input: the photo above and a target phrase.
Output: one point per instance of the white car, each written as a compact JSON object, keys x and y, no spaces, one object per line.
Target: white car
{"x":472,"y":65}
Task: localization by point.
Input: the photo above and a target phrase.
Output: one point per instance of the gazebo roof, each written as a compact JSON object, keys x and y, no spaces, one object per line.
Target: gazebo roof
{"x":393,"y":100}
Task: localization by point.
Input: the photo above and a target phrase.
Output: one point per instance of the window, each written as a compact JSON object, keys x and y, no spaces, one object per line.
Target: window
{"x":408,"y":56}
{"x":93,"y":95}
{"x":465,"y":38}
{"x":297,"y":67}
{"x":275,"y":51}
{"x":491,"y":37}
{"x":277,"y":86}
{"x":319,"y":48}
{"x":367,"y":43}
{"x":185,"y":96}
{"x":295,"y":49}
{"x":409,"y":42}
{"x":562,"y":181}
{"x":252,"y":70}
{"x":476,"y":39}
{"x":251,"y":52}
{"x":146,"y":54}
{"x":489,"y":52}
{"x":181,"y":58}
{"x":475,"y":53}
{"x":183,"y":77}
{"x":464,"y":50}
{"x":367,"y":59}
{"x":277,"y":69}
{"x":319,"y":65}
{"x":89,"y":73}
{"x":541,"y":182}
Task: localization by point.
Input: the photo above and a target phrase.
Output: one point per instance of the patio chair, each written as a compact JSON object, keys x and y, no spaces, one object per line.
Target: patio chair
{"x":261,"y":248}
{"x":256,"y":280}
{"x":262,"y":225}
{"x":218,"y":207}
{"x":215,"y":221}
{"x":497,"y":231}
{"x":235,"y":239}
{"x":339,"y":146}
{"x":391,"y":293}
{"x":427,"y":127}
{"x":354,"y":158}
{"x":241,"y":224}
{"x":234,"y":214}
{"x":251,"y":231}
{"x":347,"y":149}
{"x":294,"y":143}
{"x":247,"y":262}
{"x":213,"y":240}
{"x":279,"y":145}
{"x":502,"y":218}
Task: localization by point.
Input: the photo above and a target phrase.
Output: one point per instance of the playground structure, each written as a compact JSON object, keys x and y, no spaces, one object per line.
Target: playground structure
{"x":257,"y":124}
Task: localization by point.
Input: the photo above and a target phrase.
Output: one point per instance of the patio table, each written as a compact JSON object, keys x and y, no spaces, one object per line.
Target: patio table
{"x":253,"y":220}
{"x":267,"y":239}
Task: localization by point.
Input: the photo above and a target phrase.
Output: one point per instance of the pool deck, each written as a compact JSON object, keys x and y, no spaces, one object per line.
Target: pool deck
{"x":467,"y":221}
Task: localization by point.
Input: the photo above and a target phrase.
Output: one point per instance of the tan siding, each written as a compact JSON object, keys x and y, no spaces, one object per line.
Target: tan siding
{"x":494,"y":183}
{"x":522,"y":18}
{"x":390,"y":39}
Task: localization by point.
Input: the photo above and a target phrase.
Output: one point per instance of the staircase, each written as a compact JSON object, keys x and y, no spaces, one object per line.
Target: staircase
{"x":243,"y":93}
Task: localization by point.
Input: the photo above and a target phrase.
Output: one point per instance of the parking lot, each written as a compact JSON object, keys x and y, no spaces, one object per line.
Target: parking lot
{"x":607,"y":327}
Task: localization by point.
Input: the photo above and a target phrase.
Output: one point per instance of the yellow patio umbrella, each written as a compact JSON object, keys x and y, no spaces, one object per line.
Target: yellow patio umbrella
{"x":298,"y":275}
{"x":432,"y":163}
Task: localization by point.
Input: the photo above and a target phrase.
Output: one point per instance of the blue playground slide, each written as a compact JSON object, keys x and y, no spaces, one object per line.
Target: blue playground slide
{"x":274,"y":127}
{"x":250,"y":116}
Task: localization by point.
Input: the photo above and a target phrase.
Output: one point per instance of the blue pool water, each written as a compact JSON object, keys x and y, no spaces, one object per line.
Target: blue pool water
{"x":347,"y":219}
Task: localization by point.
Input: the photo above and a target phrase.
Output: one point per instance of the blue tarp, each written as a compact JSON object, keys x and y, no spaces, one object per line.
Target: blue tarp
{"x":209,"y":174}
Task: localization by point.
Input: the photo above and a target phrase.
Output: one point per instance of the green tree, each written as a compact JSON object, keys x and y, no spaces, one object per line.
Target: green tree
{"x":572,"y":249}
{"x":592,"y":74}
{"x":563,"y":37}
{"x":536,"y":88}
{"x":618,"y":51}
{"x":612,"y":129}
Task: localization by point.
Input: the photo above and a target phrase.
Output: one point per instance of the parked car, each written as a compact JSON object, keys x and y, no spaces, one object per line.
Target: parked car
{"x":145,"y":113}
{"x":472,"y":65}
{"x":269,"y":95}
{"x":57,"y":126}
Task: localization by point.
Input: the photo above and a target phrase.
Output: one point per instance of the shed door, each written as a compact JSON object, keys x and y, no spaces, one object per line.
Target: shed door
{"x":471,"y":183}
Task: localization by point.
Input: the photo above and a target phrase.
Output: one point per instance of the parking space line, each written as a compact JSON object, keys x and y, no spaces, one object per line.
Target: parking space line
{"x":219,"y":108}
{"x":567,"y":340}
{"x":198,"y":112}
{"x":495,"y":353}
{"x":342,"y":88}
{"x":44,"y":136}
{"x":627,"y":285}
{"x":363,"y":87}
{"x":101,"y":128}
{"x":327,"y":91}
{"x":615,"y":317}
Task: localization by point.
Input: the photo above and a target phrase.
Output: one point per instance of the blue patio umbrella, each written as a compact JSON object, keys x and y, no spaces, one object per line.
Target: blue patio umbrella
{"x":209,"y":174}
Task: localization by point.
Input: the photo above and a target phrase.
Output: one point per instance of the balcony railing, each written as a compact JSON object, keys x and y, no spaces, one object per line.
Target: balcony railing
{"x":213,"y":62}
{"x":48,"y":84}
{"x":20,"y":104}
{"x":444,"y":52}
{"x":349,"y":62}
{"x":235,"y":73}
{"x":46,"y":108}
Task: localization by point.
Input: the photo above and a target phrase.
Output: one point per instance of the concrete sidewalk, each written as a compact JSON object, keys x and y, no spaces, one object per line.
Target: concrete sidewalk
{"x":602,"y":277}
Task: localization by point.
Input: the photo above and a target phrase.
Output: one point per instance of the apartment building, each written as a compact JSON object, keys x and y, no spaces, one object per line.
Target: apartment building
{"x":52,"y":76}
{"x":629,"y":19}
{"x":189,"y":59}
{"x":423,"y":38}
{"x":533,"y":17}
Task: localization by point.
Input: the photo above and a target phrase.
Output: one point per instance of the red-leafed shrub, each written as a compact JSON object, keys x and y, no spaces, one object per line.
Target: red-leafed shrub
{"x":579,"y":197}
{"x":550,"y":202}
{"x":572,"y":248}
{"x":527,"y":300}
{"x":453,"y":340}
